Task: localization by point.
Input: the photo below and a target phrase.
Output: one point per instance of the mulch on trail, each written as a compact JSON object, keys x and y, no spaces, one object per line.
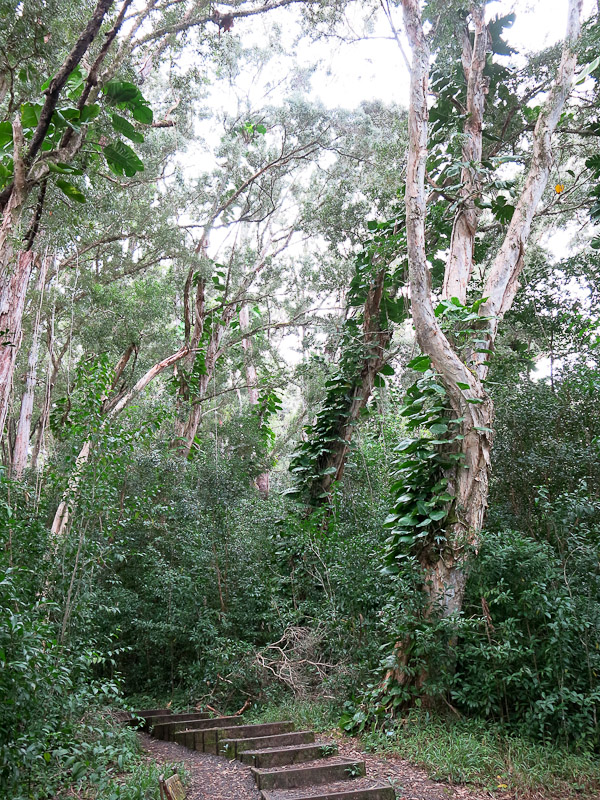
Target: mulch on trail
{"x":410,"y":782}
{"x":211,"y":777}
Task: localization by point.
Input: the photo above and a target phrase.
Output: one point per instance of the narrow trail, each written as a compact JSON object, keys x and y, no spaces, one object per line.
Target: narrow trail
{"x":218,"y":778}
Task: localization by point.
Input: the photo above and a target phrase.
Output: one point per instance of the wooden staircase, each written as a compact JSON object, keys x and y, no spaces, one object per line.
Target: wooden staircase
{"x":286,"y":764}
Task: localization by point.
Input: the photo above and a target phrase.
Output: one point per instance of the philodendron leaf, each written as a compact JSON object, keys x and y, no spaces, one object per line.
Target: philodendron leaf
{"x":122,"y":125}
{"x":120,"y":91}
{"x":122,"y":160}
{"x":71,"y":191}
{"x":420,"y":363}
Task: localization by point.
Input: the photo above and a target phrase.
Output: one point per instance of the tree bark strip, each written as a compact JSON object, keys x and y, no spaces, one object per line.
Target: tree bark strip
{"x":64,"y":511}
{"x":462,"y":243}
{"x":21,"y":447}
{"x":261,"y":481}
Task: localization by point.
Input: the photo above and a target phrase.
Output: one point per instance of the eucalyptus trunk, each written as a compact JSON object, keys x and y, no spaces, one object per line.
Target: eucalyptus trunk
{"x":261,"y":481}
{"x":445,"y":579}
{"x":21,"y":446}
{"x":375,"y":341}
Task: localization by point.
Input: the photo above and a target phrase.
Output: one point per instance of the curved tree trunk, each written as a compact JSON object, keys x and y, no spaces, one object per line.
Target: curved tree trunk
{"x":261,"y":481}
{"x":375,"y":342}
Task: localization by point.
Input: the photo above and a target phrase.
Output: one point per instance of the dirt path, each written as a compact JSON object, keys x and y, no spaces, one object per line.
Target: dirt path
{"x":211,"y":777}
{"x":216,"y":778}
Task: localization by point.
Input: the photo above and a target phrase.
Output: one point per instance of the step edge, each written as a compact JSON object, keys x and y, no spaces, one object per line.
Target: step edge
{"x":278,"y":770}
{"x":272,"y":794}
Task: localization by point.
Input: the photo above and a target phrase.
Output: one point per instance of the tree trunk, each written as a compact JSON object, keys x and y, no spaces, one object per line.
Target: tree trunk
{"x":21,"y":447}
{"x":375,"y":342}
{"x":11,"y":318}
{"x":211,"y":357}
{"x":113,"y":408}
{"x":45,"y":415}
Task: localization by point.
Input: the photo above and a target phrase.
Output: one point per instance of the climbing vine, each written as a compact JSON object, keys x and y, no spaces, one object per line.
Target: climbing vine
{"x":422,"y":511}
{"x":311,"y":461}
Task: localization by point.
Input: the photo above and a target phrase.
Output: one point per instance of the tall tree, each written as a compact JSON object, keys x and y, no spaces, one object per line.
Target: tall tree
{"x":463,"y":376}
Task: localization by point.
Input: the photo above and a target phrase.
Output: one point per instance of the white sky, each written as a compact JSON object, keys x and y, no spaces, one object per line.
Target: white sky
{"x":374,"y":68}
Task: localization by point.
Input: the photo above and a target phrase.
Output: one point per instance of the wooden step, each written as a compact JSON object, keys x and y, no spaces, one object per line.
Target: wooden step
{"x":233,"y":748}
{"x":326,"y":771}
{"x":153,"y":712}
{"x":165,"y":719}
{"x":166,"y":730}
{"x":278,"y":757}
{"x":362,"y":789}
{"x":207,"y":740}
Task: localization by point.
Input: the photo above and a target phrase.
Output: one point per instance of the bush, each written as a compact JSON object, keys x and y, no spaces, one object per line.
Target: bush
{"x":529,"y":650}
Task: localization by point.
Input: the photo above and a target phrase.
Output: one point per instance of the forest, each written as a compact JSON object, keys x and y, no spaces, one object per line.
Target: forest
{"x":300,"y":387}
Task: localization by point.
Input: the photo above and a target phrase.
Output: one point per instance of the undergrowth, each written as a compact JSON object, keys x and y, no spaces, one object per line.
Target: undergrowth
{"x":471,"y":751}
{"x":306,"y":715}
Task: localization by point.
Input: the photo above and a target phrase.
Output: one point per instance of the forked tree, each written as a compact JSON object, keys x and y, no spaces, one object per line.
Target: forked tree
{"x":463,"y":373}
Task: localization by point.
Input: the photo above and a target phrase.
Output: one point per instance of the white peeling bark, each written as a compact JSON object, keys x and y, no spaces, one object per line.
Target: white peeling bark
{"x":15,"y":270}
{"x":503,"y":280}
{"x":445,"y":580}
{"x":460,"y":262}
{"x":21,"y":448}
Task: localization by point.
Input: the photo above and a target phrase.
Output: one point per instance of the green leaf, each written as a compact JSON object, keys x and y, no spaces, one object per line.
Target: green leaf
{"x":123,"y":126}
{"x":463,"y":386}
{"x":439,"y":427}
{"x":122,"y":160}
{"x":64,"y":169}
{"x":589,"y":68}
{"x":120,"y":92}
{"x":30,"y":114}
{"x":6,"y":134}
{"x":71,"y":191}
{"x":142,"y":112}
{"x":88,"y":113}
{"x":420,"y":363}
{"x":260,"y":129}
{"x":502,"y":209}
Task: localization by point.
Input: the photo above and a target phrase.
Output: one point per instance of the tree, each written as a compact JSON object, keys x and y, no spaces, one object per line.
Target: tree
{"x":463,"y":374}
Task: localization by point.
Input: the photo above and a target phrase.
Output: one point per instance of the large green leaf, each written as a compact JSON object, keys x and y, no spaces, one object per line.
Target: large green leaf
{"x":88,"y":113}
{"x":6,"y":134}
{"x":142,"y":113}
{"x":122,"y":125}
{"x":71,"y":191}
{"x":122,"y":160}
{"x":420,"y":363}
{"x":30,"y":114}
{"x":127,"y":95}
{"x":120,"y":92}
